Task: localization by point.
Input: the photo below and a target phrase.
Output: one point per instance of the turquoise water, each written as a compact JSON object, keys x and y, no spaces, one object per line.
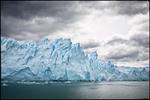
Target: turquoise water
{"x":78,"y":90}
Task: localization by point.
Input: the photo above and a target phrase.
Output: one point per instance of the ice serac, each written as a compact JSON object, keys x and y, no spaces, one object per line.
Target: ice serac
{"x":60,"y":60}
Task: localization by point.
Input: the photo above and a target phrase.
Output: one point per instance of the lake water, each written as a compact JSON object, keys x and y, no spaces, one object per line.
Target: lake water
{"x":80,"y":90}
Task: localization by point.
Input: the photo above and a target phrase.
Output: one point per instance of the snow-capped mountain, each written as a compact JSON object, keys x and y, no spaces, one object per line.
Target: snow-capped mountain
{"x":59,"y":60}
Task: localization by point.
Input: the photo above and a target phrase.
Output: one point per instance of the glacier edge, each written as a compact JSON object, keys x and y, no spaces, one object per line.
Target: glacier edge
{"x":59,"y":59}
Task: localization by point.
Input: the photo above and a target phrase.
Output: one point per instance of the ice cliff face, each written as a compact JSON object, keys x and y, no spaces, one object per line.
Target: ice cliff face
{"x":59,"y":60}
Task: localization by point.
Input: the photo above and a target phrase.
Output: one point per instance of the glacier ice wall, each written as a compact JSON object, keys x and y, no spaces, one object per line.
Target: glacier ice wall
{"x":59,"y":59}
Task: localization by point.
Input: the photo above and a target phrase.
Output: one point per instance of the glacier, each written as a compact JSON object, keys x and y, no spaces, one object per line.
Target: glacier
{"x":60,"y":60}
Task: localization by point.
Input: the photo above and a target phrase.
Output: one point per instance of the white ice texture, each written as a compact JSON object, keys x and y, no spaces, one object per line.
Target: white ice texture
{"x":59,"y":60}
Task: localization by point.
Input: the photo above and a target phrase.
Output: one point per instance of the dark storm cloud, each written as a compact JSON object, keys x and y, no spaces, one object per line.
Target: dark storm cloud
{"x":140,"y":43}
{"x":120,"y":7}
{"x":117,"y":41}
{"x":18,"y":17}
{"x":136,"y":40}
{"x":123,"y":54}
{"x":131,"y":7}
{"x":90,"y":45}
{"x":27,"y":10}
{"x":140,"y":40}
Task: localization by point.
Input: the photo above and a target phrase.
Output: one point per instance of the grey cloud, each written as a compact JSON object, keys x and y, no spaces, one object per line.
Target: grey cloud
{"x":123,"y":53}
{"x":94,"y":4}
{"x":136,"y":40}
{"x":120,"y":7}
{"x":143,"y":56}
{"x":140,"y":40}
{"x":132,"y":7}
{"x":17,"y":17}
{"x":31,"y":9}
{"x":117,"y":41}
{"x":140,"y":43}
{"x":90,"y":45}
{"x":145,"y":26}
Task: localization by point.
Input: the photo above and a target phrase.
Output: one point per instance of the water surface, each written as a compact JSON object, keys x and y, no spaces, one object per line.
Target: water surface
{"x":78,"y":90}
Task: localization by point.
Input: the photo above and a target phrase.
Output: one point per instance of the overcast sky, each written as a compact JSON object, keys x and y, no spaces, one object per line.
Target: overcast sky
{"x":118,"y":30}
